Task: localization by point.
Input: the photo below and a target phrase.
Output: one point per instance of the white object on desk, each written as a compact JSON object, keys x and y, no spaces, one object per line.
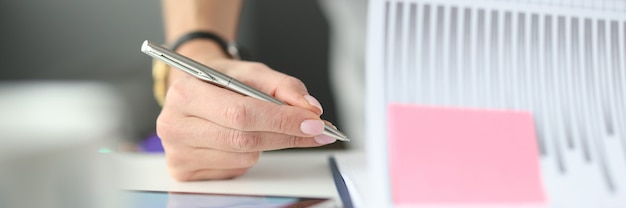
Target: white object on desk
{"x":302,"y":174}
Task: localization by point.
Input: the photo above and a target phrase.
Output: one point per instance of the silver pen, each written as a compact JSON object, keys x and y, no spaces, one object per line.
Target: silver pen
{"x":218,"y":78}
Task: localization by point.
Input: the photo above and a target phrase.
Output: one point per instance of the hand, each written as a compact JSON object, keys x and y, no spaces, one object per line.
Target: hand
{"x":213,"y":133}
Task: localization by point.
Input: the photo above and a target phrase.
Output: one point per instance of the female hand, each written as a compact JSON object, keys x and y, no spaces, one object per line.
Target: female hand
{"x":210,"y":132}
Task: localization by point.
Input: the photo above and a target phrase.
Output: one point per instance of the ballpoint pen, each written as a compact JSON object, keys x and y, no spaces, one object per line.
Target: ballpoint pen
{"x":215,"y":77}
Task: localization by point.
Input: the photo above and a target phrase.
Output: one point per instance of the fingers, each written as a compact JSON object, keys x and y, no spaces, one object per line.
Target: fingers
{"x":186,"y":163}
{"x":197,"y":149}
{"x":284,"y":87}
{"x":195,"y":98}
{"x":212,"y":154}
{"x":204,"y":174}
{"x":186,"y":158}
{"x":203,"y":134}
{"x":181,"y":172}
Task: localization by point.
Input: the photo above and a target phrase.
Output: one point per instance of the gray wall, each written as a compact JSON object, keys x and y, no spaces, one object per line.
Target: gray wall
{"x":84,"y":40}
{"x":99,"y":40}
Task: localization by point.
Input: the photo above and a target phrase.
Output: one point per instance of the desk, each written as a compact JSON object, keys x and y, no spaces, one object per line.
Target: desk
{"x":282,"y":173}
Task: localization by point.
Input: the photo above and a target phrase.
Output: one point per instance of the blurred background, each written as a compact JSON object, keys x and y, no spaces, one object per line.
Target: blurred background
{"x":74,"y":85}
{"x":78,"y":40}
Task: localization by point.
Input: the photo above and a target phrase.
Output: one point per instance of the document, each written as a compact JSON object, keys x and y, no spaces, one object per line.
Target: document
{"x":563,"y":62}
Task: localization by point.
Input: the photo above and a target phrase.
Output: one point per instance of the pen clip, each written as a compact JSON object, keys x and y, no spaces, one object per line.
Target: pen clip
{"x":153,"y":50}
{"x":197,"y":73}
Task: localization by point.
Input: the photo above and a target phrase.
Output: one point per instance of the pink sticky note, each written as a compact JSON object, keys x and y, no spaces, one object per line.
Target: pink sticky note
{"x":441,"y":155}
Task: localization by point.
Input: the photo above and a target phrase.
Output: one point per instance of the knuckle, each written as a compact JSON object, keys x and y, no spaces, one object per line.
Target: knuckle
{"x":256,"y":66}
{"x":237,"y":116}
{"x":292,"y":81}
{"x":175,"y":165}
{"x":293,"y":141}
{"x":181,"y":176}
{"x":283,"y":121}
{"x":243,"y":141}
{"x":165,"y":128}
{"x":249,"y":159}
{"x":177,"y":94}
{"x":229,"y":174}
{"x":236,"y":173}
{"x":175,"y":158}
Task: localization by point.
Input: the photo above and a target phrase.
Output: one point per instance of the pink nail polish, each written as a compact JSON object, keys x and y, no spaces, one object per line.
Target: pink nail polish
{"x":312,"y":127}
{"x":323,"y":139}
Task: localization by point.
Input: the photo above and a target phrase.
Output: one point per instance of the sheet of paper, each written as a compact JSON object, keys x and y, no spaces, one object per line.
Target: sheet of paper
{"x":441,"y":155}
{"x":564,"y":61}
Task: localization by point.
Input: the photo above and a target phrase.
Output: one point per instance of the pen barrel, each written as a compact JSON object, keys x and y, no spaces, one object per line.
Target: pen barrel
{"x":243,"y":89}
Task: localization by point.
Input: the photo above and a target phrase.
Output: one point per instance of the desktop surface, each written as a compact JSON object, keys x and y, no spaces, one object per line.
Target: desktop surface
{"x":281,"y":173}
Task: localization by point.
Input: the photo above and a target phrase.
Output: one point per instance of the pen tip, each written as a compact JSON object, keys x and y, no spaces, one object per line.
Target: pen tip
{"x":335,"y":133}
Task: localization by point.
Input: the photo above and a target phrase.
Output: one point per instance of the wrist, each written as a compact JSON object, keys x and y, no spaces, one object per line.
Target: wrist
{"x":229,"y":48}
{"x":202,"y":50}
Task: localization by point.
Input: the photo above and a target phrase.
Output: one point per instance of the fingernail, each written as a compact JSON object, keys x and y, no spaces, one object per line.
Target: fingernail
{"x":312,"y":101}
{"x":323,"y":139}
{"x":312,"y":127}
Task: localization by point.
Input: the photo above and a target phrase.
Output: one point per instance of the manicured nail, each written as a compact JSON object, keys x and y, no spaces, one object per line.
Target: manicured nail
{"x":312,"y":101}
{"x":323,"y":139}
{"x":312,"y":127}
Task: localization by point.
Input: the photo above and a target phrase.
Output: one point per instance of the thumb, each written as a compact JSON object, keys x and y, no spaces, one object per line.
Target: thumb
{"x":293,"y":92}
{"x":283,"y":87}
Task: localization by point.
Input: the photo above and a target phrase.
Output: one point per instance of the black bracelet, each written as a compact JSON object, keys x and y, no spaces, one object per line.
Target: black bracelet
{"x":231,"y":49}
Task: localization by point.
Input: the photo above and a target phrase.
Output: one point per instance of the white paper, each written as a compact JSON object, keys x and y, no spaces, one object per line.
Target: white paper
{"x":564,"y":60}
